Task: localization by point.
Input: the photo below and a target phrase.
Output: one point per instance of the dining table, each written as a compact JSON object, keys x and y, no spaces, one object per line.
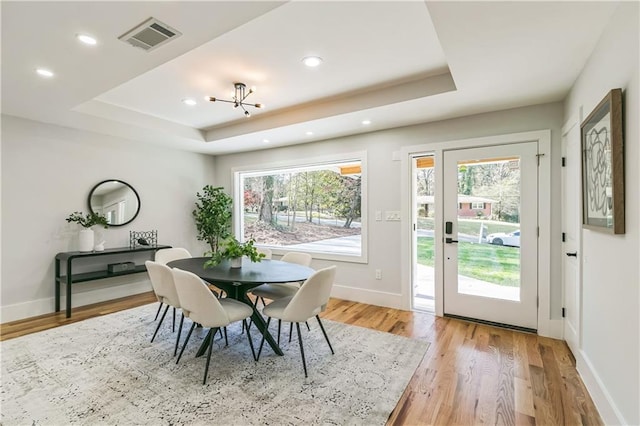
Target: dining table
{"x":237,"y":282}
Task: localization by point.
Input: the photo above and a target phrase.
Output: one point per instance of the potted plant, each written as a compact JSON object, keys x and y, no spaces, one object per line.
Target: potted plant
{"x":213,"y":216}
{"x":233,"y":250}
{"x":86,"y":236}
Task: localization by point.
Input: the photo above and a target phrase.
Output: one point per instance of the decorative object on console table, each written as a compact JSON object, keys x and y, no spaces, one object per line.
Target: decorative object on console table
{"x":603,"y":166}
{"x":143,"y":238}
{"x":114,"y":268}
{"x":234,"y":250}
{"x":86,"y":236}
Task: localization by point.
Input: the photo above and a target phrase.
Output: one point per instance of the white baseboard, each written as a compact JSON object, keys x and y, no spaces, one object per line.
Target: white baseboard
{"x":34,"y":308}
{"x":604,"y":403}
{"x":370,"y":297}
{"x":551,"y":328}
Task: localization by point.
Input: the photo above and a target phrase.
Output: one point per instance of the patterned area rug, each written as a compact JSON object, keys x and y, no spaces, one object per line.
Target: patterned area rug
{"x":105,"y":371}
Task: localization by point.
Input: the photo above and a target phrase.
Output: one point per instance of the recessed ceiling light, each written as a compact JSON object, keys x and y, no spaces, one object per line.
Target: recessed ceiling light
{"x":86,"y":39}
{"x":44,"y":72}
{"x":189,"y":101}
{"x":309,"y":133}
{"x":265,"y":140}
{"x":312,"y":61}
{"x":366,"y":122}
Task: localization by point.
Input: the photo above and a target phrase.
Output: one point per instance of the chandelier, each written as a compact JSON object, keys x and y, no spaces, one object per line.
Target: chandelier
{"x":240,"y":95}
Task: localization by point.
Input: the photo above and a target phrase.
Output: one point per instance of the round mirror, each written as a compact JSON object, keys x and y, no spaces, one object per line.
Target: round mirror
{"x":115,"y":199}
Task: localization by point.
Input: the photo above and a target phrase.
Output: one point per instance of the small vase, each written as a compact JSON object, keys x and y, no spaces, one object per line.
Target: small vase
{"x":85,"y":240}
{"x":236,"y":262}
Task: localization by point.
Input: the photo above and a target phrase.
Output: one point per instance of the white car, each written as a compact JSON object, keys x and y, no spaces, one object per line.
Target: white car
{"x":502,"y":239}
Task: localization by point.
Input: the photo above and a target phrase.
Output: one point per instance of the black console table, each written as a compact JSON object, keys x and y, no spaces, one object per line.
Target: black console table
{"x":71,"y":278}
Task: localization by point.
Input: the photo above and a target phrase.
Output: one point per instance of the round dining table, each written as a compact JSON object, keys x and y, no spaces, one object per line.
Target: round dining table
{"x":237,"y":282}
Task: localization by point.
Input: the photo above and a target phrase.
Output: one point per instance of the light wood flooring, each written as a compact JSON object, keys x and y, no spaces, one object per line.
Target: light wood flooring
{"x":471,"y":373}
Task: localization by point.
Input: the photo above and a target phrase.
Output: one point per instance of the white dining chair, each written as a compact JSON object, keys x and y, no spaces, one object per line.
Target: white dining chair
{"x":306,"y":303}
{"x":202,"y":307}
{"x":165,"y":291}
{"x":165,"y":256}
{"x":278,"y":291}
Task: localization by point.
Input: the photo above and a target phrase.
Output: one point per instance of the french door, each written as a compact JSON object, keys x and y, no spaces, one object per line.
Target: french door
{"x":491,"y":234}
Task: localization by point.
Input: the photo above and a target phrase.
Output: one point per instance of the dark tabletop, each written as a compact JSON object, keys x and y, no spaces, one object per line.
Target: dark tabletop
{"x":266,"y":271}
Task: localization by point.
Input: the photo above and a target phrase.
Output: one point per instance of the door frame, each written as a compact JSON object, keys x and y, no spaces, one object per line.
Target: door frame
{"x":573,"y":122}
{"x":546,"y":326}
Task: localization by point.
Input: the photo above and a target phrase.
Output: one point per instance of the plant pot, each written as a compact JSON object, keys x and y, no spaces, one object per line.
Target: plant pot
{"x":236,"y":262}
{"x":85,"y":240}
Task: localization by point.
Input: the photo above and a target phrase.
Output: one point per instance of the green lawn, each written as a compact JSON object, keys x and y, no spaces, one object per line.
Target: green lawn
{"x":472,"y":226}
{"x":494,"y":264}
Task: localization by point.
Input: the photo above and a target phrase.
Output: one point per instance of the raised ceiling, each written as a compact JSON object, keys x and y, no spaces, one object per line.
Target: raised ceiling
{"x":393,"y":63}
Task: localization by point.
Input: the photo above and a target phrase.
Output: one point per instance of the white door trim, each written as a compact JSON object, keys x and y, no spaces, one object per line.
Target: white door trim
{"x":546,"y":326}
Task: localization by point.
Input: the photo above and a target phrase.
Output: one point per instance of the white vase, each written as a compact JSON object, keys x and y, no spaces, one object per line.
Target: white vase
{"x":85,"y":240}
{"x":236,"y":262}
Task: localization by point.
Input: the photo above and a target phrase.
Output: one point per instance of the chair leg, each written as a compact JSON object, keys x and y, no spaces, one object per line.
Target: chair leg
{"x":262,"y":300}
{"x":253,"y":351}
{"x":304,"y":362}
{"x":290,"y":331}
{"x":325,"y":334}
{"x":226,"y":341}
{"x":307,"y":324}
{"x":185,"y":342}
{"x":175,"y":350}
{"x":159,"y":307}
{"x":206,"y":369}
{"x":279,"y":325}
{"x":262,"y":342}
{"x":160,"y":323}
{"x":173,"y":325}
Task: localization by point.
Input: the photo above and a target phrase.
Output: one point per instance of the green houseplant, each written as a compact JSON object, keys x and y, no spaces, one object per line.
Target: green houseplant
{"x":213,"y":216}
{"x":86,"y":237}
{"x":230,"y":248}
{"x":89,"y":220}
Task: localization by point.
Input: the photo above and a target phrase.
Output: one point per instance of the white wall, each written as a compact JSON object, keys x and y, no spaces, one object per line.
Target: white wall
{"x":47,"y":173}
{"x":610,"y":357}
{"x":357,"y":281}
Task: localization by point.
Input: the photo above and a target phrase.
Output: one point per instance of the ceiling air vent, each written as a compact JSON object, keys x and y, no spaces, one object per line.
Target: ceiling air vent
{"x":150,"y":35}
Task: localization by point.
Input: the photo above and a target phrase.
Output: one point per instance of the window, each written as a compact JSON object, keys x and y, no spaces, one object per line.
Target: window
{"x":316,"y":208}
{"x":477,"y":206}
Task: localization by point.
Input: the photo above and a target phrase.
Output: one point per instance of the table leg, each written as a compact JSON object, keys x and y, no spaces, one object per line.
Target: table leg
{"x":205,"y":344}
{"x":57,"y":283}
{"x":262,"y":326}
{"x":68,"y":288}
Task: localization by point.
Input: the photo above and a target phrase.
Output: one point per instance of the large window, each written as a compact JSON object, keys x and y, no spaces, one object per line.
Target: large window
{"x":316,"y":208}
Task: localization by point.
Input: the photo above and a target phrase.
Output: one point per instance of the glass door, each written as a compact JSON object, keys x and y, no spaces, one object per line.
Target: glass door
{"x":423,"y":275}
{"x":490,"y":250}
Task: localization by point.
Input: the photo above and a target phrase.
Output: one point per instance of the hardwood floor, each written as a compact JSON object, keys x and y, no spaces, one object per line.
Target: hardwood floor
{"x":471,"y":373}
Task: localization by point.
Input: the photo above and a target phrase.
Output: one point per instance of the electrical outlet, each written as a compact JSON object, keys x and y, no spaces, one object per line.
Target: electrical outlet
{"x":378,"y":274}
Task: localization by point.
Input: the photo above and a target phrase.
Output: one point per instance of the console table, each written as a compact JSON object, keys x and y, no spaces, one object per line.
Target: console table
{"x":71,"y":278}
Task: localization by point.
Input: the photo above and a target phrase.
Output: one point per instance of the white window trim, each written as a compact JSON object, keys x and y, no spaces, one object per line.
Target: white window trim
{"x":237,"y":194}
{"x":474,"y":206}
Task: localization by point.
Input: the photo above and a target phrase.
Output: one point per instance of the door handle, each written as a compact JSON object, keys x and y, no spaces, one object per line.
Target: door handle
{"x":450,"y":240}
{"x":574,"y":254}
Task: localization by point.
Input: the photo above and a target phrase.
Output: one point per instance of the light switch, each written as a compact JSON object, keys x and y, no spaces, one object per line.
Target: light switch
{"x":392,"y":216}
{"x":378,"y":215}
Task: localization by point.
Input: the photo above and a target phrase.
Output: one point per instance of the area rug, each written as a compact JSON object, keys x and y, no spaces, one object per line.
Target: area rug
{"x":105,"y":371}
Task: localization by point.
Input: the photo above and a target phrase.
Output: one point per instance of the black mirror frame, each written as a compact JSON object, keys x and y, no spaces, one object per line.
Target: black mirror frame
{"x":124,"y":183}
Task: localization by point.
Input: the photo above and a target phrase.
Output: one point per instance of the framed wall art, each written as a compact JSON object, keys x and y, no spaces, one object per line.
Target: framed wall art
{"x":603,"y":166}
